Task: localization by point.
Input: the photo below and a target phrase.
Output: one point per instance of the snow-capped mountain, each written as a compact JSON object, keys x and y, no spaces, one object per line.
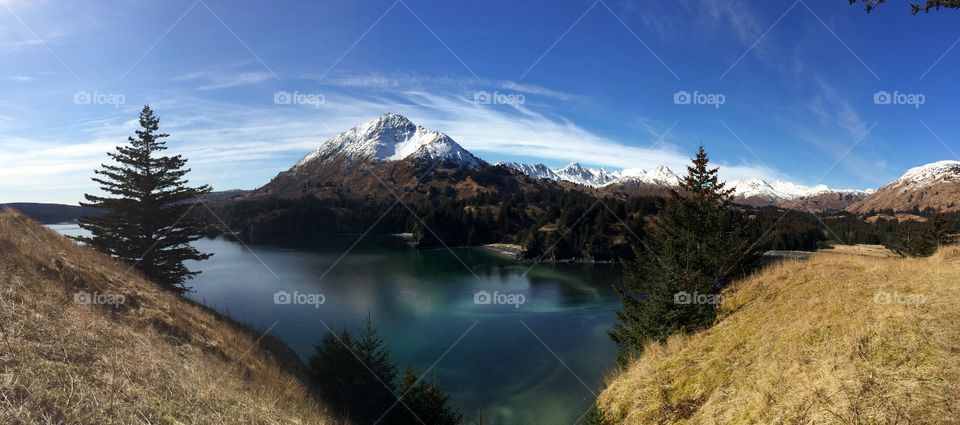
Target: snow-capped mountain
{"x":593,"y":177}
{"x":660,"y":175}
{"x":392,"y":137}
{"x":664,"y":176}
{"x":779,"y":189}
{"x":935,"y":185}
{"x":537,"y":171}
{"x":596,"y":177}
{"x":381,"y":159}
{"x":752,"y":188}
{"x":928,"y":175}
{"x":753,"y":191}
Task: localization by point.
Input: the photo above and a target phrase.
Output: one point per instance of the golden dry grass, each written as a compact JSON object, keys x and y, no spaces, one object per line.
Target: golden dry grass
{"x":155,"y":359}
{"x":861,"y":249}
{"x":837,"y":339}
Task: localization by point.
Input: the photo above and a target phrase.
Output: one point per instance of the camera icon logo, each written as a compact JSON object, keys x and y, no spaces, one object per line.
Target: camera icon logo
{"x":882,"y":97}
{"x":282,"y":98}
{"x":882,"y":298}
{"x":282,"y":297}
{"x":682,"y":298}
{"x":482,"y":297}
{"x":682,"y":97}
{"x":82,"y":297}
{"x":82,"y":97}
{"x":482,"y":98}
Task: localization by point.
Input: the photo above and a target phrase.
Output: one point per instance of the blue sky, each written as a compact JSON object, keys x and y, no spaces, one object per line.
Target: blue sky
{"x":589,"y":81}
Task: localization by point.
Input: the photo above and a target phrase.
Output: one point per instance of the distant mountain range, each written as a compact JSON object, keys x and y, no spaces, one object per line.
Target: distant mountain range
{"x":392,"y":151}
{"x":51,"y":213}
{"x":63,"y":213}
{"x":754,"y":192}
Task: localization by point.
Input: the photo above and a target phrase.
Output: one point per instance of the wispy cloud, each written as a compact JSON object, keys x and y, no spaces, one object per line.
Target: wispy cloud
{"x":264,"y":140}
{"x":710,"y":17}
{"x":410,"y":81}
{"x":212,"y":80}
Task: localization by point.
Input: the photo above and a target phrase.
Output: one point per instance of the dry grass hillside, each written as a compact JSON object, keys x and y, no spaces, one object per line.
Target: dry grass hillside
{"x":155,"y":358}
{"x":839,"y":339}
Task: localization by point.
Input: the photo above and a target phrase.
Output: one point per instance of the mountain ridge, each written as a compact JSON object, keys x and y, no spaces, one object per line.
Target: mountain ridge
{"x":935,"y":185}
{"x":396,"y":150}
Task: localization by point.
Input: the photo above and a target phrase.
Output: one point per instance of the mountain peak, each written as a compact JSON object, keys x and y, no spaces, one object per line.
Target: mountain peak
{"x":392,"y":137}
{"x":537,"y":171}
{"x":575,"y":173}
{"x":929,"y":173}
{"x":390,"y":120}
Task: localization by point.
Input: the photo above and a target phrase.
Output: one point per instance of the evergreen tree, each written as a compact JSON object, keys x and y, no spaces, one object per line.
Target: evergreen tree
{"x":697,"y":245}
{"x":426,"y":402}
{"x":354,"y":375}
{"x":869,"y":5}
{"x":375,"y":383}
{"x":334,"y":371}
{"x":915,"y":239}
{"x":941,"y":230}
{"x":356,"y":378}
{"x":145,"y":221}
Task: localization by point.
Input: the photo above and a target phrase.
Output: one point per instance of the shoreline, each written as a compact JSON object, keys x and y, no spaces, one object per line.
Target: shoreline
{"x":509,"y":250}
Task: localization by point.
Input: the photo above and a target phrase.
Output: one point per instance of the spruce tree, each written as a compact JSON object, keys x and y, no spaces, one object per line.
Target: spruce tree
{"x":941,"y":230}
{"x":334,"y":371}
{"x":373,"y":398}
{"x":917,"y":239}
{"x":145,"y":206}
{"x":696,"y":246}
{"x":426,"y":402}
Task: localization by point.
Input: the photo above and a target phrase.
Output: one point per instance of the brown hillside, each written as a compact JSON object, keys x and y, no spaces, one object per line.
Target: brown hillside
{"x":837,"y":339}
{"x":830,"y":201}
{"x":154,"y":358}
{"x":417,"y":182}
{"x":942,"y":194}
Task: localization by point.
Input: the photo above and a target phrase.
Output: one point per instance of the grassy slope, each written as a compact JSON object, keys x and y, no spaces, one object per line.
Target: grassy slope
{"x":805,"y":342}
{"x":157,"y":359}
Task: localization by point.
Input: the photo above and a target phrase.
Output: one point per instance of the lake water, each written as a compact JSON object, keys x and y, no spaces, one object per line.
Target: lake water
{"x":535,"y":362}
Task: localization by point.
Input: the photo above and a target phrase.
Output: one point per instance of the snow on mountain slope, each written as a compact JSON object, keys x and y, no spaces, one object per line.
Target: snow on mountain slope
{"x":661,"y":175}
{"x":926,"y":175}
{"x":749,"y":188}
{"x":780,"y":189}
{"x":775,"y":192}
{"x":392,"y":137}
{"x":537,"y":171}
{"x":594,"y":177}
{"x":935,"y":185}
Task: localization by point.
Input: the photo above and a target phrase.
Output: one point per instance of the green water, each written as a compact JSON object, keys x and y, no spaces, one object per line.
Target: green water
{"x":538,"y":362}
